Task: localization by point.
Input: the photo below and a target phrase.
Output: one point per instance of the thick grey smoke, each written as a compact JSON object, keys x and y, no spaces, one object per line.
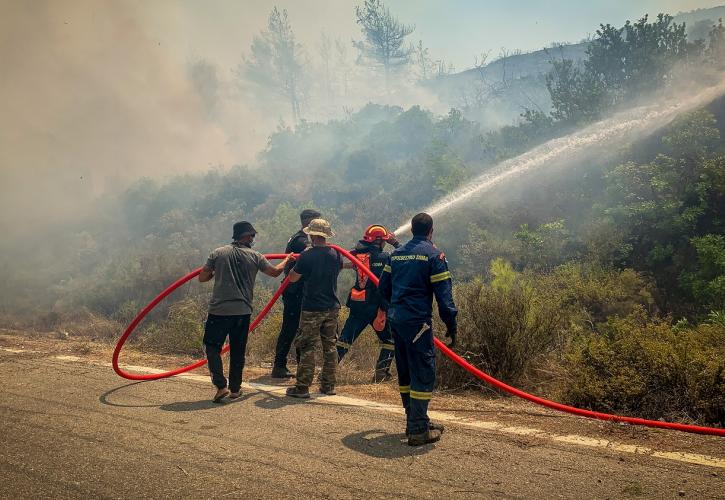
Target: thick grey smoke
{"x":96,"y":93}
{"x":89,"y":100}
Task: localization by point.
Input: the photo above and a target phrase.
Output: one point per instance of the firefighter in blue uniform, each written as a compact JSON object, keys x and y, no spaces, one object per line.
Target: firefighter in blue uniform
{"x":417,"y":271}
{"x":292,"y":300}
{"x":365,"y":303}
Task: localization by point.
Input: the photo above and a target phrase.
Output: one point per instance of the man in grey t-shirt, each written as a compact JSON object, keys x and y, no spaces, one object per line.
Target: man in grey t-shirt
{"x":234,"y":268}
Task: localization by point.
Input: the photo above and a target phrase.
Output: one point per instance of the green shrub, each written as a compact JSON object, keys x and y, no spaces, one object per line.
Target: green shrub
{"x":707,"y":283}
{"x":648,"y":368}
{"x":594,"y":293}
{"x":180,"y":333}
{"x":503,"y":328}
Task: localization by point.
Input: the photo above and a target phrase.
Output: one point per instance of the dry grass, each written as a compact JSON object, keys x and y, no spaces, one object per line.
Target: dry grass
{"x":358,"y":366}
{"x":262,"y":341}
{"x":92,"y":326}
{"x":180,"y":332}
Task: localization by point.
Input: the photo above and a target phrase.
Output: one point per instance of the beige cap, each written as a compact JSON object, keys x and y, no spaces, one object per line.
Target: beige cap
{"x":319,"y":227}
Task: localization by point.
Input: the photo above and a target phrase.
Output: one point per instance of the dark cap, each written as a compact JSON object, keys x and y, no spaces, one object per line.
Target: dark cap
{"x":309,"y":214}
{"x":242,"y":229}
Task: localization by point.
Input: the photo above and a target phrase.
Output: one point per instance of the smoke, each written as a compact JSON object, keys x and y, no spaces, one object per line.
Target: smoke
{"x":90,"y":101}
{"x":97,"y":93}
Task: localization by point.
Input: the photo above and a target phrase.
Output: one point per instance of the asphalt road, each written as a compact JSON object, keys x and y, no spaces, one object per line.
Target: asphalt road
{"x":74,"y":429}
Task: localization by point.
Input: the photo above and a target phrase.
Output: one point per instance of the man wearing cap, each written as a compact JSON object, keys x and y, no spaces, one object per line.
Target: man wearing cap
{"x":366,"y":305}
{"x":319,"y":266}
{"x":234,"y":269}
{"x":417,"y":272}
{"x":291,"y":299}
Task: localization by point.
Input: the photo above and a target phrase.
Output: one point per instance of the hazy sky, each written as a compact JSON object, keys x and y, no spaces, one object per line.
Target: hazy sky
{"x":459,"y":29}
{"x":456,"y":30}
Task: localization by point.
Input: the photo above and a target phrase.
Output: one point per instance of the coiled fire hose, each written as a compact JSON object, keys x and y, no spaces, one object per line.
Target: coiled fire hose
{"x":440,"y":345}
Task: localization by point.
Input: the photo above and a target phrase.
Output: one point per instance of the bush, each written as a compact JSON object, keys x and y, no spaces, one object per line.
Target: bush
{"x":503,"y":328}
{"x":181,"y":332}
{"x":648,"y":368}
{"x":593,"y":293}
{"x":262,"y":341}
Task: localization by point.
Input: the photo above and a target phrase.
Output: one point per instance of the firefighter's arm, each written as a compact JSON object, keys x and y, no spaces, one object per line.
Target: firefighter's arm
{"x":385,"y":299}
{"x":385,"y":285}
{"x":440,"y":279}
{"x":393,"y":240}
{"x":348,"y":264}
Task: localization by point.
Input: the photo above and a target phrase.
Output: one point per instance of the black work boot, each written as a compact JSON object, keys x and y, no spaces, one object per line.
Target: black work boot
{"x":431,"y":426}
{"x":328,"y":390}
{"x":298,"y":392}
{"x":381,"y":376}
{"x":427,"y":437}
{"x":281,"y":372}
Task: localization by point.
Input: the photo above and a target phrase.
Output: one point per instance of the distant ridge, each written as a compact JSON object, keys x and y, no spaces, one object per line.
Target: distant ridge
{"x":524,"y":75}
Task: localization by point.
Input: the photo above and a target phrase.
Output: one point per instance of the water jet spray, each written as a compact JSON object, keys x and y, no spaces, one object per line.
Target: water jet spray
{"x":622,"y":127}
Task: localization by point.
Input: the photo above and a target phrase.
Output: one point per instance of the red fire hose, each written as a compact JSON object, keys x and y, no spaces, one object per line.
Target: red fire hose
{"x":176,"y":284}
{"x":440,"y":345}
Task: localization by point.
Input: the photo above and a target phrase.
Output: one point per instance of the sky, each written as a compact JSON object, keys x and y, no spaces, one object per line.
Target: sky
{"x":454,"y":30}
{"x":458,"y":30}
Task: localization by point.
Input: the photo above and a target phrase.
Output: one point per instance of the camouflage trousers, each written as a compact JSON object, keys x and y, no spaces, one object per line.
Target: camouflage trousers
{"x":316,"y":325}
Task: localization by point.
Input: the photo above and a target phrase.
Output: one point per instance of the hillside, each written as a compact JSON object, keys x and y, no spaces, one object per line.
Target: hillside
{"x":496,"y":93}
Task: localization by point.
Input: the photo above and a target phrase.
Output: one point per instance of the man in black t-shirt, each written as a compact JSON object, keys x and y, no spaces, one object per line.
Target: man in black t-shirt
{"x":292,"y":300}
{"x":320,"y":266}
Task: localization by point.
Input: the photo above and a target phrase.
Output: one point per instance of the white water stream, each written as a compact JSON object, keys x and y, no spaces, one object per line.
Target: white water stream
{"x":619,"y":129}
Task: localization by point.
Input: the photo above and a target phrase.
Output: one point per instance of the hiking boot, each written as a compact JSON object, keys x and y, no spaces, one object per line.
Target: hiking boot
{"x":281,"y":372}
{"x":431,"y":426}
{"x":298,"y":392}
{"x":220,"y":394}
{"x":381,"y":376}
{"x":427,"y":437}
{"x":235,"y":395}
{"x":328,"y":390}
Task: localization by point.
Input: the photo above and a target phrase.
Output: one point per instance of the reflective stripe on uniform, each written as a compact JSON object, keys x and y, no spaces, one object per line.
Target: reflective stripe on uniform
{"x":344,"y":345}
{"x":404,"y":389}
{"x":387,"y":269}
{"x":421,"y":395}
{"x":389,"y":347}
{"x":440,"y":277}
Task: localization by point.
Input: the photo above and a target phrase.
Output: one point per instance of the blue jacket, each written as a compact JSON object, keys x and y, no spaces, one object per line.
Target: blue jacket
{"x":417,"y":271}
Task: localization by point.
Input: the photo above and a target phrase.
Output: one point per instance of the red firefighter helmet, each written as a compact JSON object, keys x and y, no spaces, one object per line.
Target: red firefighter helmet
{"x":375,"y":232}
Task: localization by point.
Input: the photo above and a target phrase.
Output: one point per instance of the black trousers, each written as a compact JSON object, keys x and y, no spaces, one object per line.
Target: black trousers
{"x":356,"y":323}
{"x":290,"y":325}
{"x":215,"y":333}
